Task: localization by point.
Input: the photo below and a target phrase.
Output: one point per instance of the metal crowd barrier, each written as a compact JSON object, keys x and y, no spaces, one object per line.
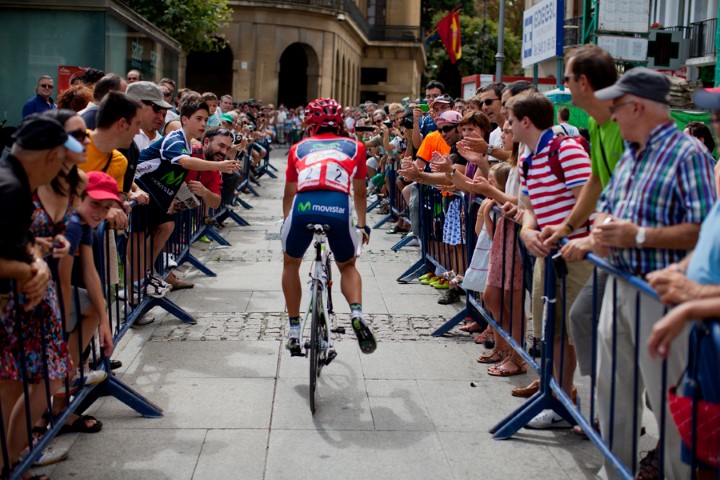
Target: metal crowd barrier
{"x":551,"y":395}
{"x":123,"y":310}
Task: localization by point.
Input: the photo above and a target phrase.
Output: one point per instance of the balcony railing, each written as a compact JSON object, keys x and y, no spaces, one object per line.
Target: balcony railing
{"x":702,"y":38}
{"x":572,"y":32}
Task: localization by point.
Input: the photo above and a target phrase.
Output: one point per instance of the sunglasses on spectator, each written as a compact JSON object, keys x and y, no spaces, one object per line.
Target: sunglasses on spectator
{"x":567,"y":78}
{"x":156,"y":108}
{"x":167,"y":94}
{"x":45,"y":85}
{"x":489,"y":101}
{"x":447,"y":128}
{"x":79,"y":135}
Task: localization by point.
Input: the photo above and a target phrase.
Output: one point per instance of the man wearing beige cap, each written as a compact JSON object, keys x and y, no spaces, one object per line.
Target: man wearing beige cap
{"x":153,"y":113}
{"x":649,"y":217}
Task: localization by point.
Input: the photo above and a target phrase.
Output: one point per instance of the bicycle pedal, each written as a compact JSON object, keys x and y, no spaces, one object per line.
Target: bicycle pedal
{"x":331,"y":356}
{"x":340,"y":330}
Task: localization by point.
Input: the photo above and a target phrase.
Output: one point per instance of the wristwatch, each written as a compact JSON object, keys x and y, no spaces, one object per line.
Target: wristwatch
{"x":640,"y":237}
{"x":490,"y":149}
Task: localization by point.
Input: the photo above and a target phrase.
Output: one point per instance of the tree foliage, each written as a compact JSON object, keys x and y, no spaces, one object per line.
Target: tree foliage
{"x":196,"y":24}
{"x":479,"y":46}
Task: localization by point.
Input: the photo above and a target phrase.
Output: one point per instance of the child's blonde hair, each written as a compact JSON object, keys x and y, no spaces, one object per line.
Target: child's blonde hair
{"x":501,"y":172}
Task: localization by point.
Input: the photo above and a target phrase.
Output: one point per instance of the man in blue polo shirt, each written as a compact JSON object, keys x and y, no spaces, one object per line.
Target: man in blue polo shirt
{"x":42,"y":101}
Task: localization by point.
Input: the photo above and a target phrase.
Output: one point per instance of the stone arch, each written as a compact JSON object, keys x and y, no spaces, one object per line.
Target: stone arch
{"x":298,"y":79}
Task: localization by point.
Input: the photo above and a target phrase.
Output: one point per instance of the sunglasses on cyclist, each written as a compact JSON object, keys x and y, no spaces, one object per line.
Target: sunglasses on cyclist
{"x":155,"y":108}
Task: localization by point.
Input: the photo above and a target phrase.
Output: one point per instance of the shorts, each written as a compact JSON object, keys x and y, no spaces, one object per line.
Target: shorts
{"x":320,"y":207}
{"x":85,"y":303}
{"x":146,"y":217}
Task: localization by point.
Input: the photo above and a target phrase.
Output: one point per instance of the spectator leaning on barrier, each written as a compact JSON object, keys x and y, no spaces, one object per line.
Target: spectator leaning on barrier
{"x":162,"y":169}
{"x":649,"y":216}
{"x":547,"y":200}
{"x":39,"y":151}
{"x":589,"y":68}
{"x":42,"y":100}
{"x":693,"y":284}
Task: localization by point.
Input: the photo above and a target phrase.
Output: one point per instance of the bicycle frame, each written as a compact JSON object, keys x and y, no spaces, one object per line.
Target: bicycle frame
{"x":319,"y":276}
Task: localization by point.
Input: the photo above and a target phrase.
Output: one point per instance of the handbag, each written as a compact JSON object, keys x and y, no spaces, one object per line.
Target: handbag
{"x":692,"y":411}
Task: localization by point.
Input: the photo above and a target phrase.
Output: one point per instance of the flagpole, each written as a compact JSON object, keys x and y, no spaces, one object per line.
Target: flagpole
{"x":500,"y":56}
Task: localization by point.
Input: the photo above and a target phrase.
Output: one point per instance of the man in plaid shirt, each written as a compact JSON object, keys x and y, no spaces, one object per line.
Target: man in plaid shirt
{"x":649,"y":216}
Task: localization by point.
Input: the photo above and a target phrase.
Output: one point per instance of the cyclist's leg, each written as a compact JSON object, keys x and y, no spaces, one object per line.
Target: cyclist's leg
{"x":295,"y":240}
{"x":343,"y":243}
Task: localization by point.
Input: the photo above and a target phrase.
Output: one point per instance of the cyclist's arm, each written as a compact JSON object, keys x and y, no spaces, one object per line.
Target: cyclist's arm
{"x":288,"y":196}
{"x":360,"y":199}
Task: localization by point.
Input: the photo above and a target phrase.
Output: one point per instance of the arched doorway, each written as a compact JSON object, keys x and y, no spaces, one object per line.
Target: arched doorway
{"x":298,"y":78}
{"x":210,"y":71}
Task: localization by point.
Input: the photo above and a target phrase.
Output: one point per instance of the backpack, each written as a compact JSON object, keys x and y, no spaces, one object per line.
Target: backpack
{"x":554,"y":155}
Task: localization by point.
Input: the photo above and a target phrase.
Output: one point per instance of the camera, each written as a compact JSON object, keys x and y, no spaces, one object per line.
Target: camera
{"x":388,"y":123}
{"x":363,"y":128}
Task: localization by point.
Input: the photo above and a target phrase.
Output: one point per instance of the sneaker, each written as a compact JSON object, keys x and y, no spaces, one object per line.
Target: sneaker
{"x":365,"y":336}
{"x":170,"y":260}
{"x":50,"y":455}
{"x":548,"y":419}
{"x":159,"y":280}
{"x":205,"y":239}
{"x":93,"y":377}
{"x":428,"y":279}
{"x":449,"y":296}
{"x":413,"y":243}
{"x":426,"y":276}
{"x":155,"y":288}
{"x":293,"y":338}
{"x":441,"y":284}
{"x":144,"y":320}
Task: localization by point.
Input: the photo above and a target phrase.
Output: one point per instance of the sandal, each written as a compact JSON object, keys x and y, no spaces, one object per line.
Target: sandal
{"x":494,"y":357}
{"x":503,"y":371}
{"x":484,"y":337}
{"x":472,"y":327}
{"x":80,"y":425}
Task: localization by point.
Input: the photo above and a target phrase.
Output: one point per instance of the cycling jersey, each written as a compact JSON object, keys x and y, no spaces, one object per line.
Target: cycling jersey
{"x":326,"y":162}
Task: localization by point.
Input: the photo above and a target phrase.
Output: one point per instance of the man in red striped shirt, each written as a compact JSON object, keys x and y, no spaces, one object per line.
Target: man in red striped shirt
{"x":551,"y":180}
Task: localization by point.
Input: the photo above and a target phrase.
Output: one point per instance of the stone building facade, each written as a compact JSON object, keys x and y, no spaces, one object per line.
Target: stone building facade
{"x":291,"y":51}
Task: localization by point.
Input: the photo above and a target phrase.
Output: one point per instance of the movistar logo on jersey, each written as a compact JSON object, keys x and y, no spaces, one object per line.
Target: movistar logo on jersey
{"x":304,"y":207}
{"x":328,"y":209}
{"x":171,"y":179}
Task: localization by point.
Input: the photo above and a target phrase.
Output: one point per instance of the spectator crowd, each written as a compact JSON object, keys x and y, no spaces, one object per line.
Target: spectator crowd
{"x":632,"y":188}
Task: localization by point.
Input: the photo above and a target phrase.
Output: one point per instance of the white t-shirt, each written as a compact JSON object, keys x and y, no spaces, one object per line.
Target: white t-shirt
{"x":281,"y":117}
{"x":143,"y":141}
{"x":512,"y":185}
{"x":495,"y":142}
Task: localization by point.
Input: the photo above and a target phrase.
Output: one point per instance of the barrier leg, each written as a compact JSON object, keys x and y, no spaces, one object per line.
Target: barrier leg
{"x":243,"y":203}
{"x":417,"y":269}
{"x":450,"y":324}
{"x":238,"y":219}
{"x":115,"y":388}
{"x":212,"y":232}
{"x":383,"y":221}
{"x":374,"y":204}
{"x":403,"y":241}
{"x":192,"y":260}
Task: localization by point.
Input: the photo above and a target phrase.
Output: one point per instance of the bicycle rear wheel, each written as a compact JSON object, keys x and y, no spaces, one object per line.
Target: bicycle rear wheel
{"x":318,"y":333}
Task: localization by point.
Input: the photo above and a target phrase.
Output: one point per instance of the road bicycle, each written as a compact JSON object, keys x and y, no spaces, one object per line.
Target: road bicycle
{"x":319,"y":310}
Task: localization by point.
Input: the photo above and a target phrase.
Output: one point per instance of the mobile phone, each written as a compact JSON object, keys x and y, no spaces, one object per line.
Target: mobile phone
{"x":424,"y":107}
{"x":363,"y":128}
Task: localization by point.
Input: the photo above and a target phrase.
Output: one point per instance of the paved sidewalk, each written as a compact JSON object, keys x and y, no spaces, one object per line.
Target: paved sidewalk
{"x":236,"y":403}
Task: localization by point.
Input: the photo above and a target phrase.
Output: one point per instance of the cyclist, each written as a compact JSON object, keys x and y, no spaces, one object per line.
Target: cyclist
{"x":321,"y":173}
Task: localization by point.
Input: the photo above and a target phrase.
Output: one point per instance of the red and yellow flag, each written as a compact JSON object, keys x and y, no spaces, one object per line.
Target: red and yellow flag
{"x":449,"y":30}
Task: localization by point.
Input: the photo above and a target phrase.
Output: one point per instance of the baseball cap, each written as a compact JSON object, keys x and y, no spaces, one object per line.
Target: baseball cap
{"x":147,"y":91}
{"x":226,"y":117}
{"x":444,"y":98}
{"x":641,"y":82}
{"x":40,"y":132}
{"x":708,"y":98}
{"x":101,"y":186}
{"x":451,"y":117}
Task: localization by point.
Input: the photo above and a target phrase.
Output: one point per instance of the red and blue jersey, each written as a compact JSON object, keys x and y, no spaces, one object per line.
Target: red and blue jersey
{"x":326,"y":162}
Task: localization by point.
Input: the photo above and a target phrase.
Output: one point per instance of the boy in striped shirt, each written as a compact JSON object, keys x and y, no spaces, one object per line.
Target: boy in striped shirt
{"x":552,"y":174}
